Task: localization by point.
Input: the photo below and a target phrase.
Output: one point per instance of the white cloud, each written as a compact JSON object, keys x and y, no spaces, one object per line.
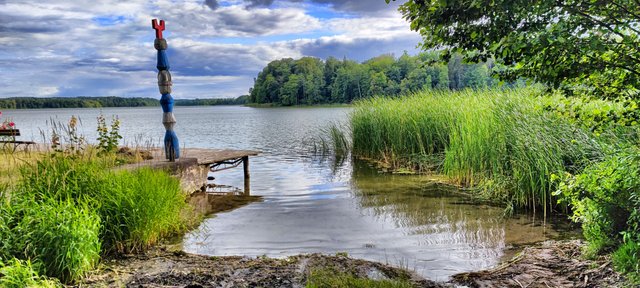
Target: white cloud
{"x":100,"y":47}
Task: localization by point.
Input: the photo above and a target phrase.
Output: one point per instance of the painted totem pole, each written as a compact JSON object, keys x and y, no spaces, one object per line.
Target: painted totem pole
{"x":171,"y":144}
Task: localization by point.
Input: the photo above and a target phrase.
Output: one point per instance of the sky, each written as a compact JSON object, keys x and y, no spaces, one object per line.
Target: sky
{"x":57,"y":48}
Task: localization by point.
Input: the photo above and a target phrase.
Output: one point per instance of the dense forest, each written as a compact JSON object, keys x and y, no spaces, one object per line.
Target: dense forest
{"x":310,"y":80}
{"x":98,"y":102}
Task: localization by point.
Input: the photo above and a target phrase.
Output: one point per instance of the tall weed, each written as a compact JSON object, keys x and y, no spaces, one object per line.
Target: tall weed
{"x":20,"y":274}
{"x":61,"y":235}
{"x":501,"y":139}
{"x":143,"y":207}
{"x":67,"y":211}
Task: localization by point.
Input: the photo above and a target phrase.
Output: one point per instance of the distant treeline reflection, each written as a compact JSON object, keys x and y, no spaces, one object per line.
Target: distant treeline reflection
{"x":111,"y":101}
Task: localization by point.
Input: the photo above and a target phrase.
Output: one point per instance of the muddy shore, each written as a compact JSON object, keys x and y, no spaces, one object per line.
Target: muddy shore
{"x":550,"y":264}
{"x":547,"y":264}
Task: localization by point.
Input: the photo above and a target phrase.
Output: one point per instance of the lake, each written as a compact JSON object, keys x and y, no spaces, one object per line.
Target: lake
{"x":313,"y":203}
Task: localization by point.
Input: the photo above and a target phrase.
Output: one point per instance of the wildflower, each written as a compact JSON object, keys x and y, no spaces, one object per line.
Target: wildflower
{"x":73,"y":122}
{"x":11,"y":124}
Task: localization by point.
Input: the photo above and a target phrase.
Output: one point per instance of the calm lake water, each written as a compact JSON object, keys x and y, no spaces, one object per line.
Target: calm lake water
{"x":314,"y":204}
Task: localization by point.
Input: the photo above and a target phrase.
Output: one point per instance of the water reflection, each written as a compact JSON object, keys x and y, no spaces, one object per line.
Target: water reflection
{"x":442,"y":221}
{"x":331,"y":207}
{"x":315,"y":204}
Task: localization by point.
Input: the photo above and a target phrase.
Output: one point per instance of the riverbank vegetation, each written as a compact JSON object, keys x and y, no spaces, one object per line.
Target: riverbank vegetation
{"x":110,"y":101}
{"x":579,"y":140}
{"x":327,"y":278}
{"x":66,"y":209}
{"x":524,"y":148}
{"x":502,"y":140}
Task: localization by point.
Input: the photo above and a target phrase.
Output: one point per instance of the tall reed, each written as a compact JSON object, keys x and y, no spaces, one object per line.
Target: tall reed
{"x":136,"y":208}
{"x":502,"y":139}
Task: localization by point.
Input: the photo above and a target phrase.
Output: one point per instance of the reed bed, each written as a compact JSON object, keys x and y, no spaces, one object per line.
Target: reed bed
{"x":501,"y":140}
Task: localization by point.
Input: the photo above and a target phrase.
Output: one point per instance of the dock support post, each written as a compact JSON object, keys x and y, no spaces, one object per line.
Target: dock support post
{"x":247,"y":181}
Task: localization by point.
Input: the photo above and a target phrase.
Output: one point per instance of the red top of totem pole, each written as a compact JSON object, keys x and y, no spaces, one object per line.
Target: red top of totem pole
{"x":158,"y":28}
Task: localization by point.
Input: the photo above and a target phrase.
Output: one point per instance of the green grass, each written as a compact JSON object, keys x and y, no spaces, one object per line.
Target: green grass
{"x":20,"y":274}
{"x":137,"y":208}
{"x":66,"y":212}
{"x":327,"y":278}
{"x":62,"y":236}
{"x":627,"y":260}
{"x":503,"y":140}
{"x":143,"y":207}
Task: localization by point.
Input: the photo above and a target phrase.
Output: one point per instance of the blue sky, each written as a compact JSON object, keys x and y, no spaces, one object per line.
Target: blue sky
{"x":216,"y":47}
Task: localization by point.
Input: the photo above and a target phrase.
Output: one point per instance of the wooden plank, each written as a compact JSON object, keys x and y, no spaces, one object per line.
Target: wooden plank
{"x":206,"y":156}
{"x":19,"y":142}
{"x":9,"y":132}
{"x":211,"y":156}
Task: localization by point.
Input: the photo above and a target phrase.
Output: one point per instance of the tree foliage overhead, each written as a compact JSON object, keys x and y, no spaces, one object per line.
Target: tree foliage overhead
{"x":591,"y":44}
{"x":309,"y":80}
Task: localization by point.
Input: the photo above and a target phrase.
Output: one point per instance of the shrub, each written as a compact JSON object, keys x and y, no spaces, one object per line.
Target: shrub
{"x":108,"y":139}
{"x":603,"y":199}
{"x":627,"y":259}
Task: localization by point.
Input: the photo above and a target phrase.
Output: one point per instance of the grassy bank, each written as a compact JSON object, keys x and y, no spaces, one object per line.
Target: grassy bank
{"x":65,"y":212}
{"x":499,"y":139}
{"x":67,"y":207}
{"x":523,"y":148}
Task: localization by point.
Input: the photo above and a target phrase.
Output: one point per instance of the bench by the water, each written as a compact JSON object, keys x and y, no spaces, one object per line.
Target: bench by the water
{"x":11,"y":134}
{"x":204,"y":161}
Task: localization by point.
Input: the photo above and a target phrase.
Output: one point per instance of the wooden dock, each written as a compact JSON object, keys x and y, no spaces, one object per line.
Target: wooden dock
{"x":195,"y":163}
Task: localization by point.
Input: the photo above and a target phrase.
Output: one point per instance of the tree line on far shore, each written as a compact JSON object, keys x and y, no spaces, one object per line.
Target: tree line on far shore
{"x":309,"y":80}
{"x":111,"y":101}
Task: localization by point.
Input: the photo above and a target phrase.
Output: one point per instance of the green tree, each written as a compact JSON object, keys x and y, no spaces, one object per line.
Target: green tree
{"x":331,"y":66}
{"x":592,"y":43}
{"x":310,"y":70}
{"x":379,"y":84}
{"x":291,"y":90}
{"x":416,"y":80}
{"x":475,"y":76}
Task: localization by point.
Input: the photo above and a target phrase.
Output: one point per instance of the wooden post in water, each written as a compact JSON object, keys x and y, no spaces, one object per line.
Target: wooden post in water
{"x":247,"y":181}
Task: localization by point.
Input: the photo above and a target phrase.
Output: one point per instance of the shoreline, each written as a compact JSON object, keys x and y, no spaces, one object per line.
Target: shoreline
{"x":547,"y":264}
{"x":554,"y":263}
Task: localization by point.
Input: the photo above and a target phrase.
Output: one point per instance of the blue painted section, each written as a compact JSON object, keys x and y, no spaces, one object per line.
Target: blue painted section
{"x":171,"y":142}
{"x":163,"y":60}
{"x":166,"y":101}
